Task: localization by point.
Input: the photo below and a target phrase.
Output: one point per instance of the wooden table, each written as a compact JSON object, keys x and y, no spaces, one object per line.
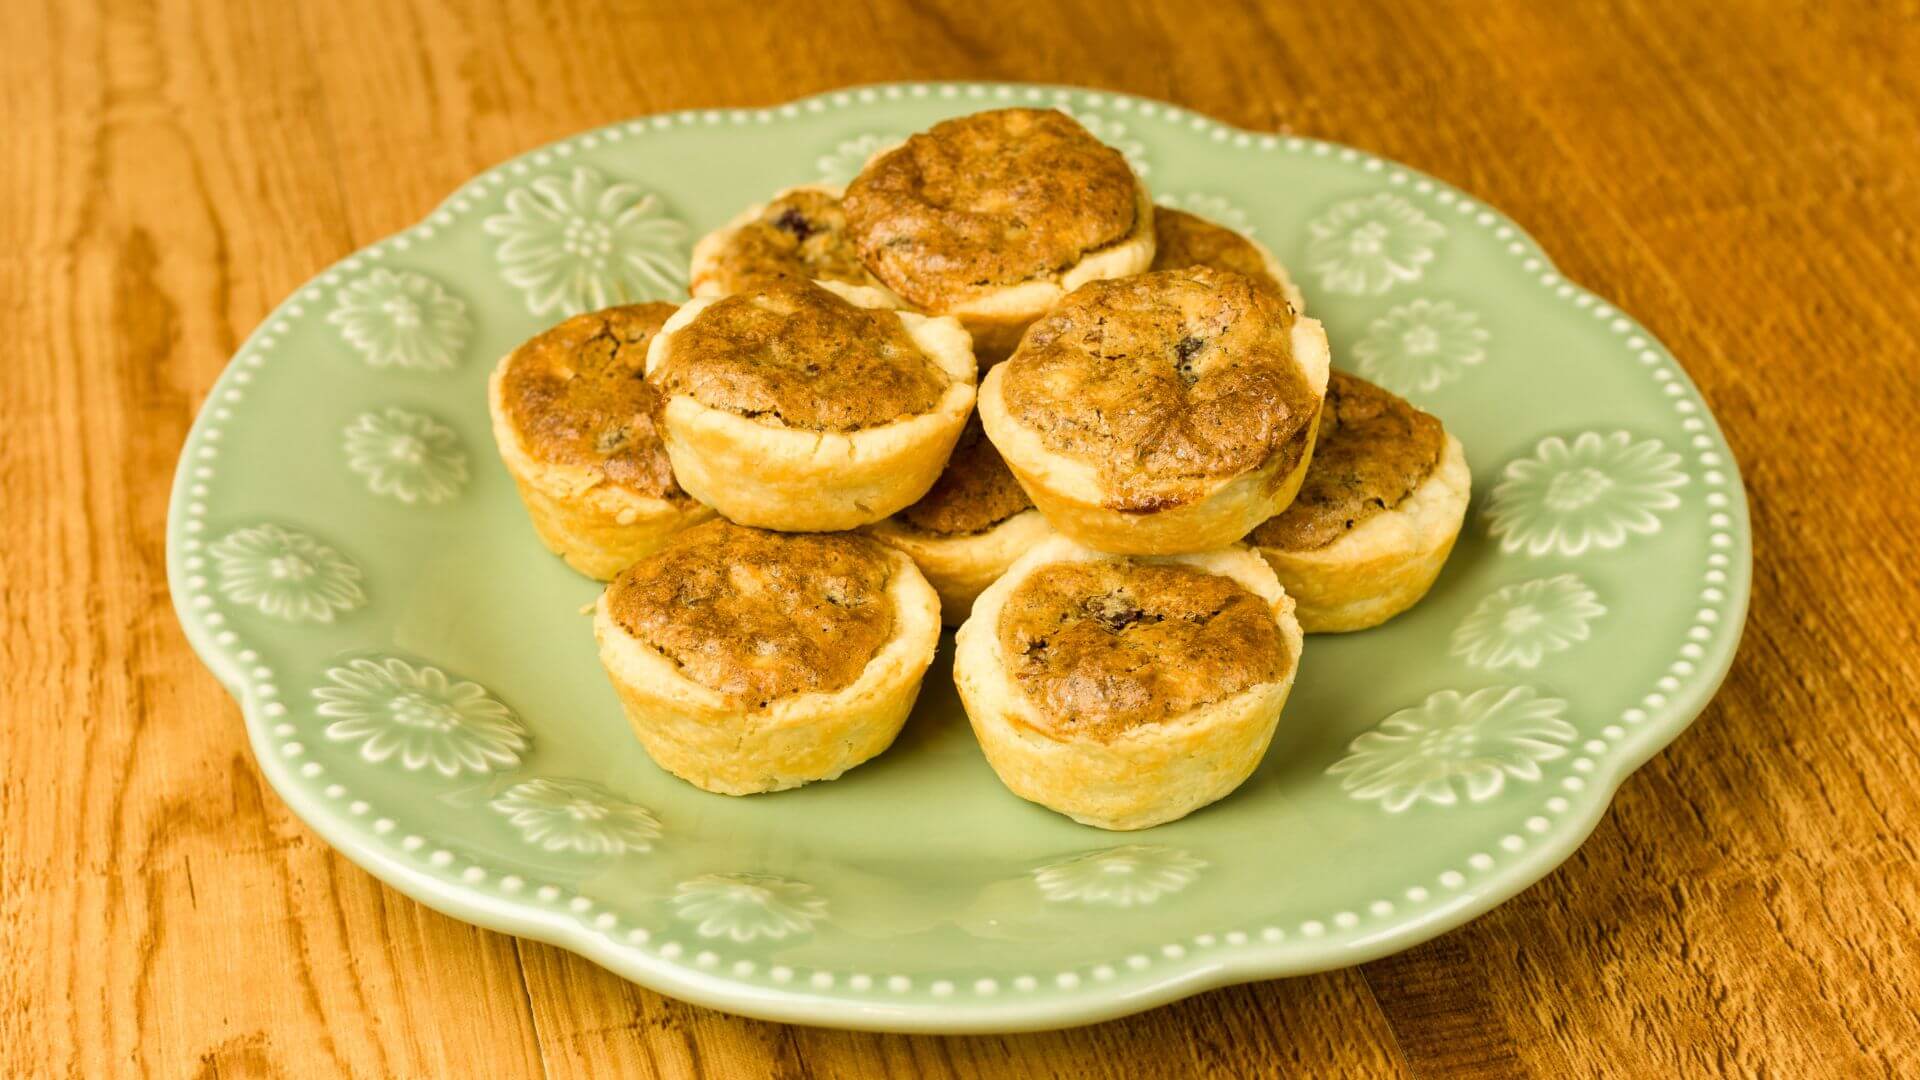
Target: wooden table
{"x":1743,"y":176}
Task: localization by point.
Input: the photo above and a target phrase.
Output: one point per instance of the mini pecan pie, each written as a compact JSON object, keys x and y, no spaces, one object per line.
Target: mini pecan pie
{"x":789,"y":407}
{"x":993,"y":217}
{"x":751,"y":661}
{"x":1162,"y":413}
{"x":1182,"y":240}
{"x":969,"y":527}
{"x":1377,"y":514}
{"x":573,"y":418}
{"x":1127,"y":691}
{"x":798,"y":235}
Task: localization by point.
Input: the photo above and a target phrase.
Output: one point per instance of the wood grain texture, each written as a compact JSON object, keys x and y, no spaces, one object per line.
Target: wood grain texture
{"x":1741,"y":175}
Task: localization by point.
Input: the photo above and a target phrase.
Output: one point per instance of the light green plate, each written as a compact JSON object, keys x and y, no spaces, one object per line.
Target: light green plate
{"x":348,"y":554}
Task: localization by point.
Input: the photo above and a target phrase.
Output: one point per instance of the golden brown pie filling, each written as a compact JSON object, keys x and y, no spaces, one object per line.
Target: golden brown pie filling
{"x":577,"y":395}
{"x":1102,"y":647}
{"x":794,"y":353}
{"x":989,"y":200}
{"x":1165,"y":382}
{"x":976,"y":492}
{"x":759,"y":615}
{"x":802,"y":235}
{"x":1182,"y":240}
{"x":1373,"y":450}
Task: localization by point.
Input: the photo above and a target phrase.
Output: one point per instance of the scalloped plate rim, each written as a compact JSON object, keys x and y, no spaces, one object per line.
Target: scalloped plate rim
{"x":1089,"y":1003}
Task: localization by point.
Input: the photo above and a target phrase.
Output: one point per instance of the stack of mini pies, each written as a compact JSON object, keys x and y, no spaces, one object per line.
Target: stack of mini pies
{"x":989,"y":384}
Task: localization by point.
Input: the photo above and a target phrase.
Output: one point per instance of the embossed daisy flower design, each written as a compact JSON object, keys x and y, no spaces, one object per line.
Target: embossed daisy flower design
{"x":1521,"y":624}
{"x":1215,"y":208}
{"x":1455,"y":745}
{"x":850,"y":156}
{"x":285,"y":574}
{"x":407,"y":455}
{"x":1126,"y":876}
{"x":745,"y":907}
{"x":420,"y":717}
{"x":1368,"y":245}
{"x":573,"y":815}
{"x":1592,"y":493}
{"x":1417,"y":347}
{"x":1115,"y":134}
{"x":399,"y":318}
{"x":579,"y":242}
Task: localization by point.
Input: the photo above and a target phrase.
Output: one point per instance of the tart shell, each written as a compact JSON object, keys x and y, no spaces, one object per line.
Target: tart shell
{"x":1070,"y":493}
{"x":1144,"y":776}
{"x":1386,"y":563}
{"x":713,"y":743}
{"x":803,"y":480}
{"x":599,"y":528}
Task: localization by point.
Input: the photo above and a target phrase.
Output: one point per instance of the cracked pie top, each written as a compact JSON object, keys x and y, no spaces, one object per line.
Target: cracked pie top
{"x":1374,"y":449}
{"x":792,"y":407}
{"x":975,"y":492}
{"x":1127,"y":691}
{"x":794,"y":354}
{"x":756,"y":616}
{"x":749,"y":660}
{"x":800,"y":235}
{"x":1182,"y":240}
{"x":1191,"y":393}
{"x":1377,"y":513}
{"x":993,"y":217}
{"x":1103,"y":646}
{"x":574,"y":420}
{"x":577,"y":395}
